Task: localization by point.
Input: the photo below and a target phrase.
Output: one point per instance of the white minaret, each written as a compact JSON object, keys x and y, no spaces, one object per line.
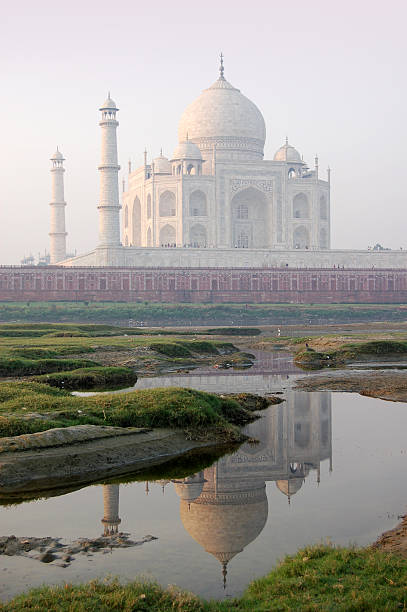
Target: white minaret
{"x":109,"y":205}
{"x":57,"y":233}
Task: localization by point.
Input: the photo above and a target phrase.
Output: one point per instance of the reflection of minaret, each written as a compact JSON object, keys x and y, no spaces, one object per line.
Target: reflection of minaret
{"x":111,"y":520}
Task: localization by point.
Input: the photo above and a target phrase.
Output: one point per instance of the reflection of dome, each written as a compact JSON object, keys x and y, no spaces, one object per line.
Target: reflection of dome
{"x":162,"y":165}
{"x":187,"y":150}
{"x":290,"y":486}
{"x":222,"y":115}
{"x":223,"y":524}
{"x":189,"y":488}
{"x":287,"y":153}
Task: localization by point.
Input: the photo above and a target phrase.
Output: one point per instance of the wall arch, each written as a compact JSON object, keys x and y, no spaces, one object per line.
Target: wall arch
{"x":126,"y":216}
{"x":301,"y":208}
{"x":301,"y":237}
{"x":149,"y":240}
{"x":250,"y":218}
{"x":323,"y":208}
{"x":323,"y":238}
{"x":136,"y":222}
{"x":198,"y":206}
{"x":167,"y":235}
{"x":149,"y":206}
{"x":198,"y":235}
{"x":167,"y":204}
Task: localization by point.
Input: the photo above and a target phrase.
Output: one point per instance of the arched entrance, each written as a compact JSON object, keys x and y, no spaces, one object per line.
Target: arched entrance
{"x":250,"y":219}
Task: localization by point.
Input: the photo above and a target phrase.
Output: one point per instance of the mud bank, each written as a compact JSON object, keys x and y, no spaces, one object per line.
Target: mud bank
{"x":87,"y":460}
{"x":394,"y":540}
{"x":387,"y":385}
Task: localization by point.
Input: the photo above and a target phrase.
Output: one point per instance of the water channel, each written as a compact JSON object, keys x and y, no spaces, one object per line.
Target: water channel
{"x":328,"y":466}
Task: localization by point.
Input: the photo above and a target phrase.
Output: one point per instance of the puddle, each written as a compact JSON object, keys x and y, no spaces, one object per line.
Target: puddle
{"x":328,"y":466}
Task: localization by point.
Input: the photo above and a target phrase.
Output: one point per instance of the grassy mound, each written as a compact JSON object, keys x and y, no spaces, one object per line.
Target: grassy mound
{"x":317,"y":578}
{"x":90,"y":378}
{"x":186,"y":348}
{"x":30,"y":407}
{"x":28,"y":367}
{"x":384,"y":349}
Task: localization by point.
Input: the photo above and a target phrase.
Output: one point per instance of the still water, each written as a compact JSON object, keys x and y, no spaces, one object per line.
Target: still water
{"x":327,"y":467}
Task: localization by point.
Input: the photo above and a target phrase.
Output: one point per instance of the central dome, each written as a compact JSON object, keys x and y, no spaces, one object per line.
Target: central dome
{"x":225,"y":118}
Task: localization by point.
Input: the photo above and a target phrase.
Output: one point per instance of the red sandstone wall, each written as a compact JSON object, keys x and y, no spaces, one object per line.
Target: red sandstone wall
{"x":52,"y":283}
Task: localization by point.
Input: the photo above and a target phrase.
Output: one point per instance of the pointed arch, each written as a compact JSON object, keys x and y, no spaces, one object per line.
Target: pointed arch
{"x":149,"y":240}
{"x":301,"y":208}
{"x":167,"y":205}
{"x":198,"y":204}
{"x":323,"y":208}
{"x":301,"y":237}
{"x":323,"y":238}
{"x":250,"y":218}
{"x":198,"y":236}
{"x":136,"y":222}
{"x":167,"y":235}
{"x":149,"y":206}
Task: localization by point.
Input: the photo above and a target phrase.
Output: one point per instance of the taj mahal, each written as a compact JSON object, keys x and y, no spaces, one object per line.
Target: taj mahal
{"x":214,"y":203}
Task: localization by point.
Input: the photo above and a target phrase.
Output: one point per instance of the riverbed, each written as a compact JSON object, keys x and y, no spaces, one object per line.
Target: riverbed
{"x":327,"y":467}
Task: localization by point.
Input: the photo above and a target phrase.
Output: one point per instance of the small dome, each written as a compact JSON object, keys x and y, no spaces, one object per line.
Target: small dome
{"x":57,"y":155}
{"x":187,"y":150}
{"x":189,"y":488}
{"x":290,"y":486}
{"x":109,"y":104}
{"x":287,"y":153}
{"x":162,"y":165}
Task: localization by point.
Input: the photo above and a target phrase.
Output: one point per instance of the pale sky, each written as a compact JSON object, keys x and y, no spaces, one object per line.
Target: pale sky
{"x":330,"y":75}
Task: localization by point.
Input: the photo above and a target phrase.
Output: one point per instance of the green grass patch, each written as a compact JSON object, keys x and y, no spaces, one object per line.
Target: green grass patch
{"x":32,"y":406}
{"x":90,"y":378}
{"x":317,"y":578}
{"x":351,"y":352}
{"x":28,"y":367}
{"x":79,"y":313}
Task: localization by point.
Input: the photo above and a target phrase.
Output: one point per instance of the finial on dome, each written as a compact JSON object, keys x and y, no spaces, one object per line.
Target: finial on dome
{"x":187,"y":137}
{"x":221,"y":68}
{"x":286,"y":141}
{"x":161,"y":152}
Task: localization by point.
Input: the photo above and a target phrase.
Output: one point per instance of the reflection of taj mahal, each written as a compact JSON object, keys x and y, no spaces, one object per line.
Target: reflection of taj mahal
{"x":224,"y":507}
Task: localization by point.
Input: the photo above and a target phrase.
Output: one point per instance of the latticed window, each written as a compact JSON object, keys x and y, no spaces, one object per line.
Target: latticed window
{"x":242,"y":211}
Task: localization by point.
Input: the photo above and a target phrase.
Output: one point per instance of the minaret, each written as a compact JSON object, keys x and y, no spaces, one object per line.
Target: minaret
{"x":57,"y":233}
{"x":111,"y":520}
{"x":109,"y":204}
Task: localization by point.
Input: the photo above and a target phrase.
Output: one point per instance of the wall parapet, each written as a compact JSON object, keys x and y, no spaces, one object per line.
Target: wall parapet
{"x":254,"y":285}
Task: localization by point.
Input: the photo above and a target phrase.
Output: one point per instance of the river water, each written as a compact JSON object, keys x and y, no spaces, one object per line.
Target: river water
{"x":328,"y":467}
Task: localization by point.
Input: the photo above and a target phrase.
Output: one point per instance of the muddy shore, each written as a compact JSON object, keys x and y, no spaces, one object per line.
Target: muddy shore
{"x":388,"y":385}
{"x":85,"y":461}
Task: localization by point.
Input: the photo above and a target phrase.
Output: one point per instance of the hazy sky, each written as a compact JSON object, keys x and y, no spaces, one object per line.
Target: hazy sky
{"x":332,"y":76}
